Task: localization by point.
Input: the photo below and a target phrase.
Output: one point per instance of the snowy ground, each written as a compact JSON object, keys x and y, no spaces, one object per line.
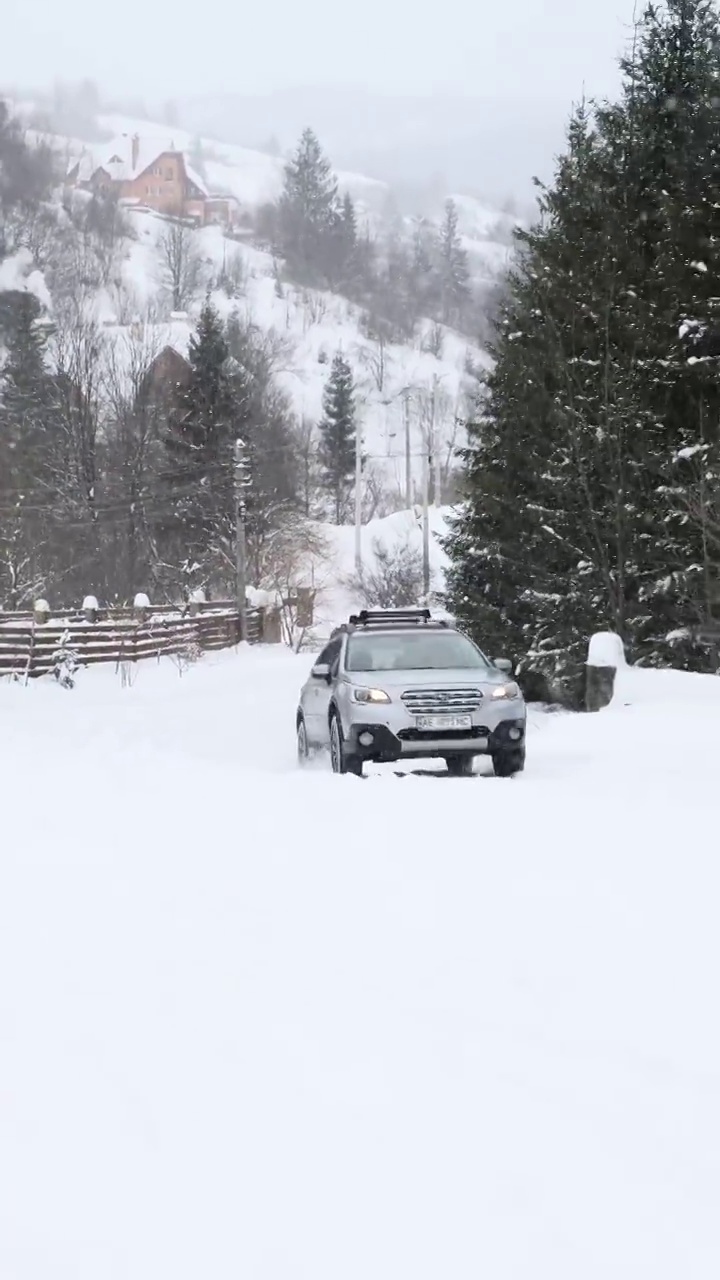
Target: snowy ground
{"x":263,"y":1024}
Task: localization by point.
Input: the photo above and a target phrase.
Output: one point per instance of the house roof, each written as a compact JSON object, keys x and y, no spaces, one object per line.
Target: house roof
{"x":116,"y":158}
{"x":195,"y":178}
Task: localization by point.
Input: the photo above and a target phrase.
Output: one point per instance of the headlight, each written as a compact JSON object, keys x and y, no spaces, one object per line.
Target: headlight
{"x":370,"y":695}
{"x":511,"y":690}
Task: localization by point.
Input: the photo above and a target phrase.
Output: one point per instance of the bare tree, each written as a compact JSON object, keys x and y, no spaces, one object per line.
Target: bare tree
{"x":378,"y":499}
{"x":377,"y":360}
{"x":393,"y":579}
{"x":309,"y":473}
{"x":295,"y":555}
{"x":137,"y":406}
{"x":181,"y":266}
{"x":232,"y":277}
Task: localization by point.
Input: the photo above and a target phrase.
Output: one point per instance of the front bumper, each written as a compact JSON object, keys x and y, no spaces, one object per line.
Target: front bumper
{"x":410,"y":743}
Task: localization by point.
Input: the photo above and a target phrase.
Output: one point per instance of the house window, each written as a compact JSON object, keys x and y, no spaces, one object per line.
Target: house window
{"x":169,"y":175}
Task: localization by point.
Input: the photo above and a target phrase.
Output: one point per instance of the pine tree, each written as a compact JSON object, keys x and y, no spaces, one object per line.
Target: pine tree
{"x":338,"y":435}
{"x":453,"y":269}
{"x":197,"y":158}
{"x":599,"y":430}
{"x":425,"y":275}
{"x":267,"y":430}
{"x":671,"y":96}
{"x":199,"y":445}
{"x":26,"y":443}
{"x":308,"y":212}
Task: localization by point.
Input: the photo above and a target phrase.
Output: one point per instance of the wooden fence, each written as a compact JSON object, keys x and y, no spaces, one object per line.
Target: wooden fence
{"x":31,"y":647}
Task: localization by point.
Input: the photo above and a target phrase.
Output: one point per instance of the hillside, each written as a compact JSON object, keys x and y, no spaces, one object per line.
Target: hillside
{"x":103,"y":291}
{"x":311,"y":325}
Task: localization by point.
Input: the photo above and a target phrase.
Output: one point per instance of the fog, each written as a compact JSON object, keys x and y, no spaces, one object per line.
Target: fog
{"x":472,"y":90}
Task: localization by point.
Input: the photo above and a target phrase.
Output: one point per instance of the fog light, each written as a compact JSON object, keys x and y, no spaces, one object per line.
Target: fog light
{"x":515,"y":734}
{"x":366,"y":739}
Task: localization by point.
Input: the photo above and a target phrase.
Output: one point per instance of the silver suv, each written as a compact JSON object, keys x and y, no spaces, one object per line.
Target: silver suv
{"x":402,"y":686}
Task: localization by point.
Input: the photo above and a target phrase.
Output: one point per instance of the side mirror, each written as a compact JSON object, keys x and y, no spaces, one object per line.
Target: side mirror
{"x":321,"y":671}
{"x":505,"y":665}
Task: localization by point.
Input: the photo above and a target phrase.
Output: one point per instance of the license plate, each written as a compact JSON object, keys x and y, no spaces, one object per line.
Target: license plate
{"x":444,"y":722}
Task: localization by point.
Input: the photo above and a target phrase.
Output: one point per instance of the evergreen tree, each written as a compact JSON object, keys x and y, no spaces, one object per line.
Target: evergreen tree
{"x":670,"y":102}
{"x":206,"y":420}
{"x":425,"y":276}
{"x":453,"y":269}
{"x":267,"y":431}
{"x":338,"y":435}
{"x":308,"y":212}
{"x":26,"y":175}
{"x":197,"y":158}
{"x":26,"y":440}
{"x":590,"y":474}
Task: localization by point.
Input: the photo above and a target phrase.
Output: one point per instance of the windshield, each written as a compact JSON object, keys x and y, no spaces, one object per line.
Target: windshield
{"x":415,"y":651}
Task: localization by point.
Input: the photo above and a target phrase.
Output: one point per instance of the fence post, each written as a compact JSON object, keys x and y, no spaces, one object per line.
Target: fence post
{"x":90,"y":608}
{"x":272,"y":626}
{"x":141,"y":607}
{"x":41,"y":610}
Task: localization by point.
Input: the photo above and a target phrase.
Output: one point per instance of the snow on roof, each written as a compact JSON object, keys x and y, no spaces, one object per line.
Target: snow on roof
{"x":116,"y":158}
{"x":195,"y":178}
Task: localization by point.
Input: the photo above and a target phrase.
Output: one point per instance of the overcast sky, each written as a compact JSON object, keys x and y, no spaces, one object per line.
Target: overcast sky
{"x":546,"y":49}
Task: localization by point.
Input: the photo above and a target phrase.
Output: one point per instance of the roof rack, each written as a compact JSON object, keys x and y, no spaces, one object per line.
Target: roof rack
{"x":389,"y":617}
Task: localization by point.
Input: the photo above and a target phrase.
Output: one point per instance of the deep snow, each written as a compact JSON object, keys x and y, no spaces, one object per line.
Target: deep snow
{"x":261,"y":1023}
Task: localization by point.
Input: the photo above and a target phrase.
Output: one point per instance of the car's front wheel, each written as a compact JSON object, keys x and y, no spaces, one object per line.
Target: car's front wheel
{"x":507,"y":763}
{"x":460,"y":766}
{"x":303,"y":746}
{"x":340,"y":760}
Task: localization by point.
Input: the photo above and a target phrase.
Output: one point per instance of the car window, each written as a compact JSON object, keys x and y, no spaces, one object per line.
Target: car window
{"x":330,"y":655}
{"x":415,"y":651}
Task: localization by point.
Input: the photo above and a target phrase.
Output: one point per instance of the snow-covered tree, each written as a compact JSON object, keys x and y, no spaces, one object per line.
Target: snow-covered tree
{"x":453,"y":268}
{"x":308,"y":211}
{"x":338,"y":435}
{"x":590,"y":476}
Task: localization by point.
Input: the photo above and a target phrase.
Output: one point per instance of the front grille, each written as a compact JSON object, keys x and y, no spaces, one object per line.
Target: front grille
{"x":443,"y":735}
{"x":432,"y":702}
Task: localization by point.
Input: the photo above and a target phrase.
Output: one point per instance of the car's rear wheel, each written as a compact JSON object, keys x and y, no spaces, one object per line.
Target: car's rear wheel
{"x":460,"y":766}
{"x":340,"y":760}
{"x":507,"y":763}
{"x":303,"y":747}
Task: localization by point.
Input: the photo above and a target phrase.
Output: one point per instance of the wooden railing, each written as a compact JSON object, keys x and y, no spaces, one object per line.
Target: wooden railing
{"x":35,"y":645}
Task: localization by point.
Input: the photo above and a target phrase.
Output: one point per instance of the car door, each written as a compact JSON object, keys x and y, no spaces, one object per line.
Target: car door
{"x":319,"y":692}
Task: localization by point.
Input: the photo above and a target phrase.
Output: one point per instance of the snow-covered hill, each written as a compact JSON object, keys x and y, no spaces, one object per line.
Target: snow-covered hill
{"x":423,"y":385}
{"x":267,"y":1024}
{"x":313,"y":326}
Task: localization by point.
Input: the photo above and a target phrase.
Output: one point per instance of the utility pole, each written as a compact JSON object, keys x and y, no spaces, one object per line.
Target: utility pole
{"x":408,"y":456}
{"x":241,"y":481}
{"x":437,"y":461}
{"x":358,"y":503}
{"x":426,"y":523}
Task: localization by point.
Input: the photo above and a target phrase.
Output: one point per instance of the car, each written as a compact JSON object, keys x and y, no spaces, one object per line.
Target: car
{"x":400,"y":685}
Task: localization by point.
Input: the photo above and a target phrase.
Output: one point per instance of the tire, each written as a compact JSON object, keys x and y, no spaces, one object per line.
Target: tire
{"x":507,"y":763}
{"x":460,"y":766}
{"x":303,"y":748}
{"x":340,"y":761}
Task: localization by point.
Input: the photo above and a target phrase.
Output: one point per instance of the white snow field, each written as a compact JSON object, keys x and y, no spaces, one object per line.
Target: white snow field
{"x":284,"y":1026}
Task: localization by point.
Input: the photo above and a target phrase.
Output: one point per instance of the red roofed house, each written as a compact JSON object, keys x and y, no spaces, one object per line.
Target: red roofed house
{"x":145,"y":172}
